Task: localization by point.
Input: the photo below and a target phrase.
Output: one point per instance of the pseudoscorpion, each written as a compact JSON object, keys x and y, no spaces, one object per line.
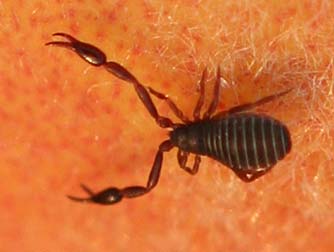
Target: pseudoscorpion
{"x":249,"y":144}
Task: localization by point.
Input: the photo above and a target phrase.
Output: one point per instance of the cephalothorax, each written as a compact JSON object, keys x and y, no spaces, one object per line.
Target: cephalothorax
{"x":249,"y":144}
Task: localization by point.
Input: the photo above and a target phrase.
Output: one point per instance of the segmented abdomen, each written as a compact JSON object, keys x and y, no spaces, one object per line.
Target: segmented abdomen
{"x":246,"y":141}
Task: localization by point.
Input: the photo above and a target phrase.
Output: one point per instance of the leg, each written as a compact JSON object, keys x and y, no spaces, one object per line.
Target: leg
{"x":183,"y":157}
{"x":200,"y":101}
{"x":248,"y":176}
{"x":252,"y":105}
{"x":171,"y":104}
{"x":96,"y":57}
{"x":215,"y":100}
{"x":113,"y":195}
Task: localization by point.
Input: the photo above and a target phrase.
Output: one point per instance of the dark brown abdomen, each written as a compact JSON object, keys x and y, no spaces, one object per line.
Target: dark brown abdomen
{"x":244,"y":141}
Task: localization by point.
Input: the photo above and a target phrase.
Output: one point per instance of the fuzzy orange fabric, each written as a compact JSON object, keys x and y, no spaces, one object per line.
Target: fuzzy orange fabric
{"x":63,"y":122}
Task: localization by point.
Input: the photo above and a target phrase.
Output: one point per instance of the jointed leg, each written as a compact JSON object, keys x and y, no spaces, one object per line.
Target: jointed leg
{"x":96,"y":57}
{"x":182,"y":157}
{"x":249,"y":176}
{"x":113,"y":195}
{"x":200,"y":101}
{"x":216,"y":95}
{"x":252,"y":105}
{"x":175,"y":109}
{"x":171,"y":104}
{"x":249,"y":106}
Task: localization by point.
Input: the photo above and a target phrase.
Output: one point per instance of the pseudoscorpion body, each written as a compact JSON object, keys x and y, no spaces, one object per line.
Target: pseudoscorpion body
{"x":242,"y":141}
{"x":249,"y":144}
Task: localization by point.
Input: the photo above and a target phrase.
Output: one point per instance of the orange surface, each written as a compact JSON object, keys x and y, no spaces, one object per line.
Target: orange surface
{"x":63,"y":122}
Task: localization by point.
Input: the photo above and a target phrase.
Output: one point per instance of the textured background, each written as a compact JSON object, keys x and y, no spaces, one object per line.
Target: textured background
{"x":63,"y":122}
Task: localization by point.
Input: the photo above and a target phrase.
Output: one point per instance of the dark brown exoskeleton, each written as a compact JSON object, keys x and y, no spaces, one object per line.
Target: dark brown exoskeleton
{"x":249,"y":144}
